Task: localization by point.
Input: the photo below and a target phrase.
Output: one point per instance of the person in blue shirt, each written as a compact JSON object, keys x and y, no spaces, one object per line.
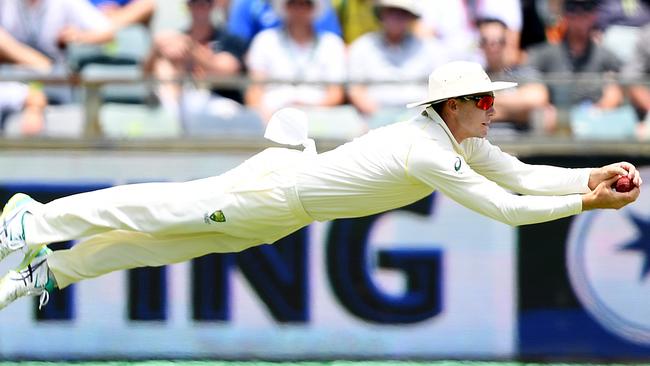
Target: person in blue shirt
{"x":123,"y":13}
{"x":246,"y":18}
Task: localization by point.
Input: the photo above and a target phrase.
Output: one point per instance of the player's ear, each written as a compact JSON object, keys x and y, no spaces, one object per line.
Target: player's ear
{"x":452,"y":104}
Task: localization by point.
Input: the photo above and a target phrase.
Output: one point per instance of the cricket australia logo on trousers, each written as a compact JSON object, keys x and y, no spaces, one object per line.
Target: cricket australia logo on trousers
{"x":216,"y":216}
{"x":458,"y":163}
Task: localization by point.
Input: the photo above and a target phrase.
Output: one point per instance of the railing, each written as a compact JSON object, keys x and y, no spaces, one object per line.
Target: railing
{"x":92,"y":102}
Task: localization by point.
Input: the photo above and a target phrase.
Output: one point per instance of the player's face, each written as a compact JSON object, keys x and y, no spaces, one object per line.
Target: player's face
{"x":474,"y":115}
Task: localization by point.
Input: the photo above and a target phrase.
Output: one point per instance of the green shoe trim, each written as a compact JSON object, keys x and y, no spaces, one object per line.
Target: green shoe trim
{"x":51,"y":282}
{"x":15,"y":201}
{"x":33,"y":253}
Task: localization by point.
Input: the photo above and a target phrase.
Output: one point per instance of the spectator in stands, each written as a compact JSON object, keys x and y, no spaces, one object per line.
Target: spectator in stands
{"x":632,"y":13}
{"x":454,"y":24}
{"x":534,"y":22}
{"x":16,"y":53}
{"x":203,"y":51}
{"x":300,"y":55}
{"x":515,"y":108}
{"x":395,"y":55}
{"x":357,"y":17}
{"x":247,"y":18}
{"x":578,"y":63}
{"x":620,"y":22}
{"x":29,"y":101}
{"x":43,"y":29}
{"x":634,"y":73}
{"x":123,"y":13}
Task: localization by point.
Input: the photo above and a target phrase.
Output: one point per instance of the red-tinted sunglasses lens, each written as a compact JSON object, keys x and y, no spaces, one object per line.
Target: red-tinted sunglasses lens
{"x":486,"y":102}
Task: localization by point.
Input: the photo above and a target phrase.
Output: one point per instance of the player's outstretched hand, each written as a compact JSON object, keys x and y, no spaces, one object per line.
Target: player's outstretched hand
{"x":599,"y":175}
{"x":604,"y":196}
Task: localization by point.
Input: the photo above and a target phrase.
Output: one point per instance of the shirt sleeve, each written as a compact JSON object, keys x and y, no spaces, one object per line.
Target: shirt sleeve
{"x":12,"y":96}
{"x":357,"y":53}
{"x":611,"y":62}
{"x":257,"y":53}
{"x":511,"y":173}
{"x":333,"y":58}
{"x":233,"y":45}
{"x":85,"y":16}
{"x":450,"y":174}
{"x":639,"y":64}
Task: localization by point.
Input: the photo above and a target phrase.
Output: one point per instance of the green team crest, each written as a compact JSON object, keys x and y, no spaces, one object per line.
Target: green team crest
{"x":458,"y":164}
{"x":218,"y":216}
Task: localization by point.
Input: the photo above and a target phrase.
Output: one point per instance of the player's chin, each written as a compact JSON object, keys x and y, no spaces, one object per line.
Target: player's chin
{"x":485,"y":128}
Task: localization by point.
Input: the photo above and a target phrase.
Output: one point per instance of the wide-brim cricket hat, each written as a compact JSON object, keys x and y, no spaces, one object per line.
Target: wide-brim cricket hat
{"x":410,"y":6}
{"x":280,"y":8}
{"x":459,"y":78}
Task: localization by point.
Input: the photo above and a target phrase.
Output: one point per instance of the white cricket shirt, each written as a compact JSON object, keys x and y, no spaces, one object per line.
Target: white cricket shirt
{"x":401,"y":163}
{"x":38,"y":26}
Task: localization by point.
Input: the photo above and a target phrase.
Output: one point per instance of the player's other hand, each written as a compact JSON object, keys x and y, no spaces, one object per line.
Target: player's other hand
{"x":604,"y":196}
{"x":599,"y":175}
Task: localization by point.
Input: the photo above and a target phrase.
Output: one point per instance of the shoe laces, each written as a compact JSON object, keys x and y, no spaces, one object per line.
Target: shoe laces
{"x":33,"y":282}
{"x":11,"y":244}
{"x":44,"y":299}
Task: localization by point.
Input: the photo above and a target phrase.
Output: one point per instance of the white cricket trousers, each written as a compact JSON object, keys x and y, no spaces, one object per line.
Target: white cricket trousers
{"x":154,"y":224}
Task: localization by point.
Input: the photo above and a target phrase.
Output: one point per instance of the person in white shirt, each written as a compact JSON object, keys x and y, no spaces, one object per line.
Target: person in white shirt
{"x":454,"y":24}
{"x":280,"y":190}
{"x":387,"y":68}
{"x":299,"y":58}
{"x":46,"y":27}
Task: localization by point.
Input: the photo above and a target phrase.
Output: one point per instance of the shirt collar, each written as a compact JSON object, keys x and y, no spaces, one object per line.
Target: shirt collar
{"x":437,"y":125}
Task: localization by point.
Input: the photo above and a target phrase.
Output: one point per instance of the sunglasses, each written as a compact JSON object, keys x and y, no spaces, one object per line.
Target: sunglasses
{"x":483,"y":102}
{"x":199,"y":2}
{"x":306,"y":3}
{"x":492,"y":42}
{"x":579,"y":8}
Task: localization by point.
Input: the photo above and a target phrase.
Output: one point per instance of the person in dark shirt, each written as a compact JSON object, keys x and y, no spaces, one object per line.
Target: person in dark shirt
{"x":635,"y":75}
{"x":247,"y":18}
{"x":202,"y":51}
{"x":572,"y":64}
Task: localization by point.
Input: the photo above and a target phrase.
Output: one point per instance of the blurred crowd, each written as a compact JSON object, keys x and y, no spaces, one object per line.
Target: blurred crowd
{"x":222,"y":67}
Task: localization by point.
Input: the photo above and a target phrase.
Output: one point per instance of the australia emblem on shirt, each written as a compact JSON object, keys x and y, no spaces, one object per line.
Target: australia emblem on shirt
{"x":458,"y":164}
{"x":216,"y":216}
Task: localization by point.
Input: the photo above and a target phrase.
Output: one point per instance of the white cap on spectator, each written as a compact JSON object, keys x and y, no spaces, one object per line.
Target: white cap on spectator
{"x":459,"y":78}
{"x":410,"y":6}
{"x":280,"y":7}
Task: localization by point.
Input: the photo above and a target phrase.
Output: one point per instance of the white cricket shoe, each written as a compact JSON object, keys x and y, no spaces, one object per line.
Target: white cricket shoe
{"x":12,"y":229}
{"x":32,"y":279}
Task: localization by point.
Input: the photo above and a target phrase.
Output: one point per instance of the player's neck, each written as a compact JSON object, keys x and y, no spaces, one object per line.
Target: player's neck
{"x":454,"y":127}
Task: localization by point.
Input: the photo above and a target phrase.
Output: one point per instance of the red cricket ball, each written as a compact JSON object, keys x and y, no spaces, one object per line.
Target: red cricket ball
{"x":623,"y":184}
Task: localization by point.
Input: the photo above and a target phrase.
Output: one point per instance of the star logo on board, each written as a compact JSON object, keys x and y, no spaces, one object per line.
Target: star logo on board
{"x":608,"y":262}
{"x":641,"y":244}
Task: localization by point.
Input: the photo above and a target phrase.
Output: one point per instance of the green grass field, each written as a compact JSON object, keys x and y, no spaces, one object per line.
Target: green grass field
{"x":331,"y":363}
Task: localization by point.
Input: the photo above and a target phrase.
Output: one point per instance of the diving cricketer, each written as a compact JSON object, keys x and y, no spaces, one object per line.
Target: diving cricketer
{"x":281,"y":190}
